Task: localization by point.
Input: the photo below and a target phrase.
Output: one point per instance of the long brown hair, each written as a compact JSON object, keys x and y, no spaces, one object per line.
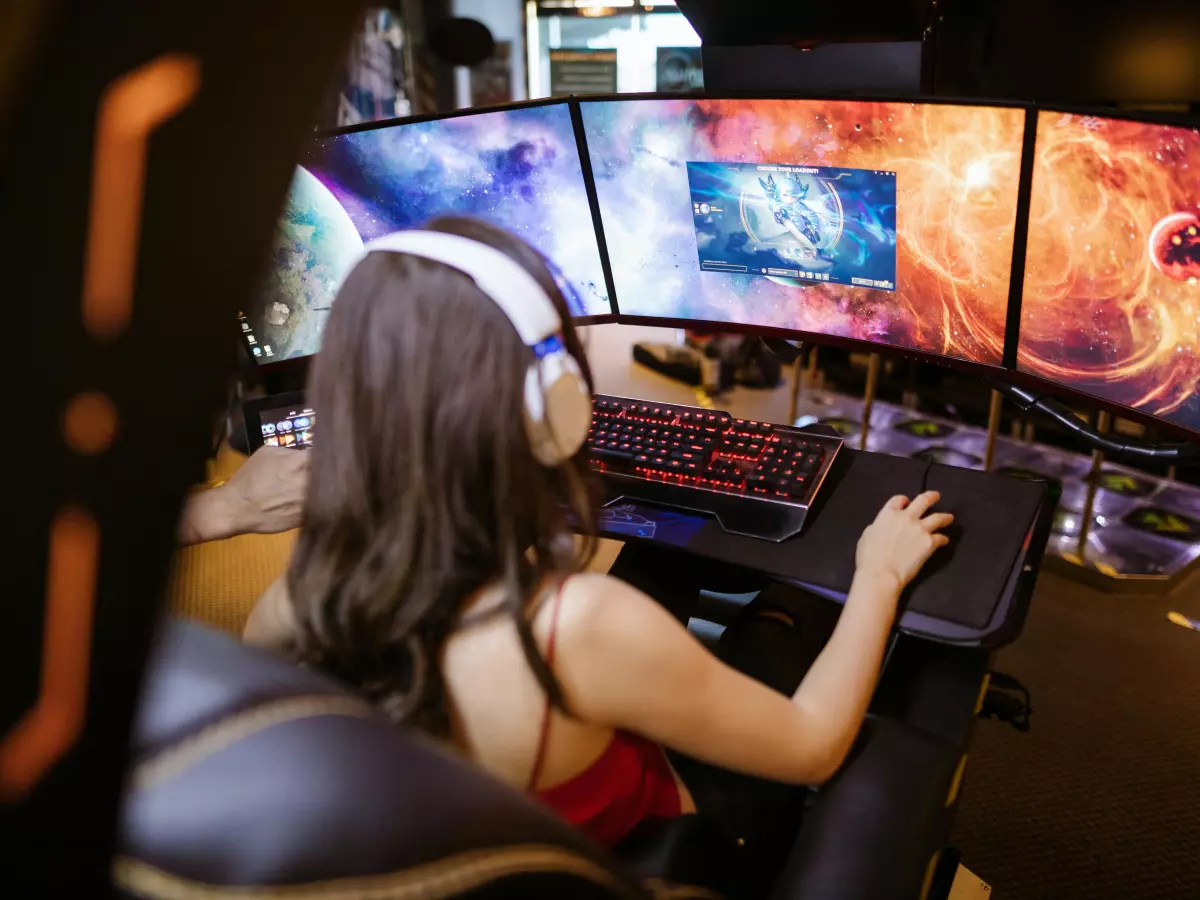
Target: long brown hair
{"x":423,"y":484}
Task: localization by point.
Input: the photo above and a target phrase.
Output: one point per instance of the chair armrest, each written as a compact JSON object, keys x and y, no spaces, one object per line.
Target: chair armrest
{"x":874,"y":829}
{"x":685,"y":850}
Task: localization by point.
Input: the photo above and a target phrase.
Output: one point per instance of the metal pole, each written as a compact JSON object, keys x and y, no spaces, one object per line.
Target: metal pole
{"x":869,"y":399}
{"x":794,"y":405}
{"x":994,"y":416}
{"x":1103,"y":420}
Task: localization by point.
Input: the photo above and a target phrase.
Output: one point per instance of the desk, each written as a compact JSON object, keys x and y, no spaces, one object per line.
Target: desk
{"x":974,"y":592}
{"x":893,"y":801}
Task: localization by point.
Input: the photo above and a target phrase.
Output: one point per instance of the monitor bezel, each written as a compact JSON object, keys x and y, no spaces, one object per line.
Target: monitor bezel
{"x":1068,"y":393}
{"x":294,"y":369}
{"x":968,"y":366}
{"x":294,"y":363}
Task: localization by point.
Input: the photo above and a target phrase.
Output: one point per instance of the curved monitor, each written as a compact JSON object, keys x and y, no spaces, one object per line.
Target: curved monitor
{"x":517,"y":167}
{"x":1111,"y":303}
{"x":888,"y":222}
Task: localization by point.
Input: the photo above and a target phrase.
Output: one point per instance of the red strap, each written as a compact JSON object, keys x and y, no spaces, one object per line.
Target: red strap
{"x":544,"y":736}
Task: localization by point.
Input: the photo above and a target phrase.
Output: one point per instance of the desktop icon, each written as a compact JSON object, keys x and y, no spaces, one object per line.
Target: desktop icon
{"x":285,"y":425}
{"x":302,"y":422}
{"x":268,"y":428}
{"x":267,"y":350}
{"x":273,"y":441}
{"x":245,"y":326}
{"x":257,"y":351}
{"x":287,"y":439}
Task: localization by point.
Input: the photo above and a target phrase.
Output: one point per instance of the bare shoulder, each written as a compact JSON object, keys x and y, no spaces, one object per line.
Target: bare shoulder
{"x":594,"y":604}
{"x":610,"y":633}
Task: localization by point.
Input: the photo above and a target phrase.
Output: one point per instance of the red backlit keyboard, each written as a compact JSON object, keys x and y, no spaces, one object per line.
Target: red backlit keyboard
{"x":757,"y":478}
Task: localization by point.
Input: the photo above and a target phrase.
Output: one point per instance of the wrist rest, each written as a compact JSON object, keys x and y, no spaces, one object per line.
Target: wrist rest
{"x":962,"y":583}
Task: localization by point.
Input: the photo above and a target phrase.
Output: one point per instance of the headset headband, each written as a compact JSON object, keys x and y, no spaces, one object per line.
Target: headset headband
{"x":499,"y":276}
{"x":558,"y":404}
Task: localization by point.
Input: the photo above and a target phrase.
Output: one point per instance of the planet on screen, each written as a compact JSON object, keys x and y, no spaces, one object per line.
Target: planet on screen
{"x":516,"y":168}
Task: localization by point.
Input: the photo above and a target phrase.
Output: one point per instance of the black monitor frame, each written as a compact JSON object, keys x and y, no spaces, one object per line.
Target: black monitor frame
{"x":986,"y":370}
{"x":288,"y":375}
{"x":1049,"y":386}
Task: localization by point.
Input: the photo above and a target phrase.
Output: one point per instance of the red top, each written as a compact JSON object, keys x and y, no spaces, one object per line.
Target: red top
{"x":630,"y":782}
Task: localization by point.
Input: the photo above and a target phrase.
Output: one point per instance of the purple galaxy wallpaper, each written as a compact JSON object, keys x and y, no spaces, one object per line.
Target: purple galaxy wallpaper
{"x":516,"y":168}
{"x":950,"y":228}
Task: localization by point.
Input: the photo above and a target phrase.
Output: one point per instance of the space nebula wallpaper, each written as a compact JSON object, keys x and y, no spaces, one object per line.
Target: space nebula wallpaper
{"x":518,"y":168}
{"x":1111,"y":301}
{"x":956,"y":174}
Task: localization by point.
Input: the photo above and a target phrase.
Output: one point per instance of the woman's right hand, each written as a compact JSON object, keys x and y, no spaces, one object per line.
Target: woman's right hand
{"x":901,"y":539}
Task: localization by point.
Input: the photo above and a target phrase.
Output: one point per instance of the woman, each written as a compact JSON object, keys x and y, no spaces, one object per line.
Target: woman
{"x":434,"y":572}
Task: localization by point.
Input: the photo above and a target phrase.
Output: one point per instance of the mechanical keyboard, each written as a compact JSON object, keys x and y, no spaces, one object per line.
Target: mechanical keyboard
{"x":756,"y":478}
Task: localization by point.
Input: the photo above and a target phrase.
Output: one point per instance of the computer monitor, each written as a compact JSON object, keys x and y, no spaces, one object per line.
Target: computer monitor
{"x":517,"y":167}
{"x":1111,"y":299}
{"x":885,"y":222}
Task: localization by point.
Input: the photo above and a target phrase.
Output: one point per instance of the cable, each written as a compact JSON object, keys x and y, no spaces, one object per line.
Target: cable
{"x":925,"y":477}
{"x":1133,"y":451}
{"x":999,"y":702}
{"x":788,"y":351}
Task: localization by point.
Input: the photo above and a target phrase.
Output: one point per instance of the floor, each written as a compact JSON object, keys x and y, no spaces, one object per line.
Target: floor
{"x":1102,"y":797}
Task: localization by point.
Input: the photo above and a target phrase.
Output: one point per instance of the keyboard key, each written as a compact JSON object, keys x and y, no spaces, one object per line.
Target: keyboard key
{"x":610,"y":456}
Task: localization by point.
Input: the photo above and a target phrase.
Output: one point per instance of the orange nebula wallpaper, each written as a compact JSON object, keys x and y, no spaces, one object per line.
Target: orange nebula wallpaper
{"x":1112,"y":278}
{"x":956,"y":180}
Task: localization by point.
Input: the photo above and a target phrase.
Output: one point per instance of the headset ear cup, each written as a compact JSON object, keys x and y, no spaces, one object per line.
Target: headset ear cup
{"x":558,"y":408}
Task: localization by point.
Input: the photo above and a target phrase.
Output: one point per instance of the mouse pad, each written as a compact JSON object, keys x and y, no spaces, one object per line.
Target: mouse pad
{"x":962,"y":583}
{"x":992,"y":516}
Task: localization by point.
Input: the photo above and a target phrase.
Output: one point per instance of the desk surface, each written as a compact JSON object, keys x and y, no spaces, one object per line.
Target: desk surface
{"x":963,"y":594}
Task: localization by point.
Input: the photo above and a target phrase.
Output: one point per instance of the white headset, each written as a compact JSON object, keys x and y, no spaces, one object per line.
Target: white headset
{"x":558,"y":404}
